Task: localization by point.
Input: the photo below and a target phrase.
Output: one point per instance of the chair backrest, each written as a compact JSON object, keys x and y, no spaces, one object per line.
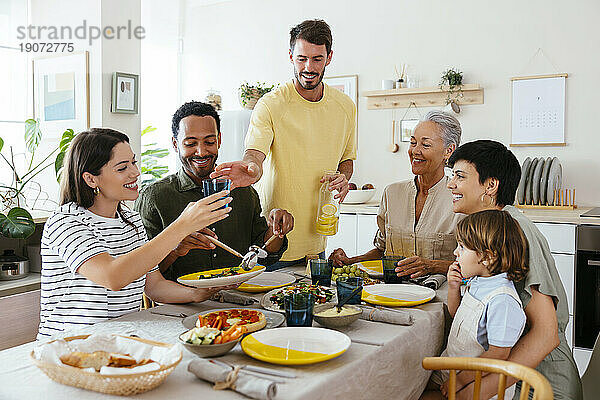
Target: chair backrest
{"x":591,"y":378}
{"x":530,"y":377}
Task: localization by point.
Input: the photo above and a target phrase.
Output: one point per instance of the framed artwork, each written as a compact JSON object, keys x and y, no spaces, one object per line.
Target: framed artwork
{"x":407,"y":126}
{"x":125,"y":93}
{"x":61,"y":93}
{"x":347,"y":84}
{"x":538,"y":110}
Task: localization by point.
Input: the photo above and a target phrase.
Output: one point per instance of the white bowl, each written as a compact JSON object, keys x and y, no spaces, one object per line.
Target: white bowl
{"x":359,"y":196}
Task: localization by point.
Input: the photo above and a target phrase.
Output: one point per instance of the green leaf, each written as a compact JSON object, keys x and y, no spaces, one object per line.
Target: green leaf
{"x":33,"y":134}
{"x":1,"y":143}
{"x":160,"y":153}
{"x":17,"y":224}
{"x":65,"y":142}
{"x":147,"y":129}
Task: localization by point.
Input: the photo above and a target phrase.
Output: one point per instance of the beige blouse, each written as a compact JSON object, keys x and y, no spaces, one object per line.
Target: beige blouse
{"x":432,"y":237}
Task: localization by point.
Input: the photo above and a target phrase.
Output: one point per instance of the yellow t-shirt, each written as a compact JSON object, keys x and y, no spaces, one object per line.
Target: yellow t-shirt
{"x":301,"y":140}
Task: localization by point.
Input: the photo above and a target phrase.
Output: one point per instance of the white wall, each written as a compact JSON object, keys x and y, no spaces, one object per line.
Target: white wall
{"x":229,"y":42}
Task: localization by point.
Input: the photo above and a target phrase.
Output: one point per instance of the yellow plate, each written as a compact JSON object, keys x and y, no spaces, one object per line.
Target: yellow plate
{"x":267,"y":281}
{"x":192,"y":279}
{"x":295,"y":345}
{"x":374,"y":268}
{"x":397,"y":295}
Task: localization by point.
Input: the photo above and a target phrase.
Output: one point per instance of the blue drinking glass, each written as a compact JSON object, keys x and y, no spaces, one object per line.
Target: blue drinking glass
{"x":212,"y":186}
{"x":299,"y":309}
{"x":389,"y":269}
{"x":320,"y":271}
{"x":345,"y":286}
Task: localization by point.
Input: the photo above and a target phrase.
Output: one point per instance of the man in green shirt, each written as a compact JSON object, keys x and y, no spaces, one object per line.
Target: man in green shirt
{"x":196,"y":139}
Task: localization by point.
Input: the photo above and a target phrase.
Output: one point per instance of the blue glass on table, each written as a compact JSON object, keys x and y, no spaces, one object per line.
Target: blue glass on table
{"x":345,"y":286}
{"x":320,"y":271}
{"x":389,"y":269}
{"x":299,"y":309}
{"x":212,"y":186}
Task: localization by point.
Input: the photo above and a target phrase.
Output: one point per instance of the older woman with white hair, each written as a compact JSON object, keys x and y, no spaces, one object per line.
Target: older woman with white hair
{"x":415,"y":218}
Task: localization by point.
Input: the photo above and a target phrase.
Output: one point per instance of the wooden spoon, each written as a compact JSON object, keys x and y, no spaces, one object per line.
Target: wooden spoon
{"x":393,"y":146}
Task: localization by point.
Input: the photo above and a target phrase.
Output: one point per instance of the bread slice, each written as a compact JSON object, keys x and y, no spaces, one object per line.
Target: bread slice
{"x":121,"y":360}
{"x":79,"y":359}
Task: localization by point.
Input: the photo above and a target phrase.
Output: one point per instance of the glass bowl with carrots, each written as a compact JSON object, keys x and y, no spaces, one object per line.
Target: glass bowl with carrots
{"x":206,"y":341}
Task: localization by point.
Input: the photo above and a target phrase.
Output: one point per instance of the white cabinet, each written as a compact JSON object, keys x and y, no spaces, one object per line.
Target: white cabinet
{"x":367,"y":228}
{"x":565,"y":264}
{"x":345,"y":237}
{"x":355,"y":234}
{"x":560,"y":237}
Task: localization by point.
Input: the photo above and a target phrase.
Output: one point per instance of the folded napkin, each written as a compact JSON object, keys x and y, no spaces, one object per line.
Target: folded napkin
{"x":433,"y":281}
{"x":235,"y":298}
{"x":397,"y":317}
{"x":234,"y":379}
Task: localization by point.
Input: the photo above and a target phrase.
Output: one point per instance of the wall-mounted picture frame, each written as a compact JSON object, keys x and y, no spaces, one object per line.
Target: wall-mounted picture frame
{"x":407,"y":126}
{"x":61,"y":93}
{"x":347,"y":84}
{"x":125,"y":88}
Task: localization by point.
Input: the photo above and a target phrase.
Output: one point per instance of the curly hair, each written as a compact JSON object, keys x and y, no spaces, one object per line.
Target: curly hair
{"x":495,"y":235}
{"x":194,"y":108}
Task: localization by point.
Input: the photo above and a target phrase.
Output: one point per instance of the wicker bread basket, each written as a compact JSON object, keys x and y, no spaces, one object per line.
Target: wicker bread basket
{"x":122,"y":385}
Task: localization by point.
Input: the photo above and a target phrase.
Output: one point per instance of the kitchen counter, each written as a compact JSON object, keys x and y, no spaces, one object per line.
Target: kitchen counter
{"x":536,"y":215}
{"x":27,"y":284}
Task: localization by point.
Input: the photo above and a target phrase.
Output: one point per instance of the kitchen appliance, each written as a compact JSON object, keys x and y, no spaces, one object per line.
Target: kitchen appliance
{"x":587,"y":286}
{"x":13,"y":266}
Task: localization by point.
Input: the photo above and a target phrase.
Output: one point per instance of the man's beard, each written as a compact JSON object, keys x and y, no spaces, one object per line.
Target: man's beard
{"x":194,"y":170}
{"x":312,"y":86}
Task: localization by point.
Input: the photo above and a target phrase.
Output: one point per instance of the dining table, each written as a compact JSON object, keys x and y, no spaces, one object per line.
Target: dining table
{"x":382,"y":362}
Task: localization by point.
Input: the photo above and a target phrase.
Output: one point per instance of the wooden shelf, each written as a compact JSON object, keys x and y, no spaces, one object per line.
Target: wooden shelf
{"x":421,"y":97}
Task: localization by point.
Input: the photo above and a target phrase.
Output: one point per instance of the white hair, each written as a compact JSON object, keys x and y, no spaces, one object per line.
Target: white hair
{"x":449,"y":127}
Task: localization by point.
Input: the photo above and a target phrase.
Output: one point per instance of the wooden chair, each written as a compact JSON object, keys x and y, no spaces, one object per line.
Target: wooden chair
{"x":147,"y":302}
{"x":530,"y":377}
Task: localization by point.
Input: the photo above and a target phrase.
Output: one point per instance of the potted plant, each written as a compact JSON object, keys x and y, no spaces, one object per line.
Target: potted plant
{"x":451,"y":83}
{"x":18,"y":223}
{"x":249,"y":94}
{"x":152,"y":170}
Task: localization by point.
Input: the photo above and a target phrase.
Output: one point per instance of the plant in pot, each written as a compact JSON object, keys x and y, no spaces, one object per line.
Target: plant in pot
{"x":152,"y":169}
{"x":249,"y":94}
{"x":18,"y":223}
{"x":451,"y":83}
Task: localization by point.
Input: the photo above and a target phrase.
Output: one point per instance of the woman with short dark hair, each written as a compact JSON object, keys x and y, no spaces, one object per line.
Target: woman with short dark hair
{"x":485,"y":177}
{"x":96,"y":260}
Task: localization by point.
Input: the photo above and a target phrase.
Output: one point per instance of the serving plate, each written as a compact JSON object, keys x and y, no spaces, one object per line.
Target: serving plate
{"x":267,"y":304}
{"x":554,"y":179}
{"x":374,"y":268}
{"x":267,"y":281}
{"x":528,"y":184}
{"x":273,"y":319}
{"x":295,"y":345}
{"x":397,"y":295}
{"x":359,"y":196}
{"x":536,"y":180}
{"x":523,"y":181}
{"x":544,"y":182}
{"x":192,"y":279}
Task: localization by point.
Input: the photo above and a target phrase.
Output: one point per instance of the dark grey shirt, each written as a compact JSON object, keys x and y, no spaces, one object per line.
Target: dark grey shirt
{"x":161,"y":203}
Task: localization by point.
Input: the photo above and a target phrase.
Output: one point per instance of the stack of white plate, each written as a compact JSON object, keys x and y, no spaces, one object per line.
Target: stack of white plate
{"x":540,"y":178}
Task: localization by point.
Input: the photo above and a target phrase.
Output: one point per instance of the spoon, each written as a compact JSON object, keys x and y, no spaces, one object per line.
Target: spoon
{"x":345,"y":299}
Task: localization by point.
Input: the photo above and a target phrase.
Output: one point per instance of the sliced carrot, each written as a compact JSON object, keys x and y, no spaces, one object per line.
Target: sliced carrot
{"x":200,"y":320}
{"x":218,"y":340}
{"x":218,"y":322}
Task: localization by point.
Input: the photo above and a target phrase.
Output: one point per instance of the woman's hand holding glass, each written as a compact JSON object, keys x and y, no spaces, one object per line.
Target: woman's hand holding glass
{"x":202,"y":213}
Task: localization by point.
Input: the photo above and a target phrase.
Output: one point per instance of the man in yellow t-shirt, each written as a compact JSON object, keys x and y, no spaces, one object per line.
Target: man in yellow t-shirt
{"x":299,"y":131}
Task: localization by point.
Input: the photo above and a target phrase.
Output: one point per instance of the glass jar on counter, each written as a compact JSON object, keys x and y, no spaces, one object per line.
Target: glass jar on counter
{"x":328,"y":211}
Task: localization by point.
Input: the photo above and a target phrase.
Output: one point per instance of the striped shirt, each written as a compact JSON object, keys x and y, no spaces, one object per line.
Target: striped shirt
{"x":73,"y":235}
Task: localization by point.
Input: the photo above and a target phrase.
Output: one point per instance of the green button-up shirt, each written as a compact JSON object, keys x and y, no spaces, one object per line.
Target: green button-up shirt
{"x":161,"y":203}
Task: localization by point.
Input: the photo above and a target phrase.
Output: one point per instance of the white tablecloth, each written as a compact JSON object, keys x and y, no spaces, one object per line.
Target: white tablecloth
{"x":390,"y":371}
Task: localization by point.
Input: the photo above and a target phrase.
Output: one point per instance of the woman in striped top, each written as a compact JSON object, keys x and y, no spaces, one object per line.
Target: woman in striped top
{"x":96,"y":259}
